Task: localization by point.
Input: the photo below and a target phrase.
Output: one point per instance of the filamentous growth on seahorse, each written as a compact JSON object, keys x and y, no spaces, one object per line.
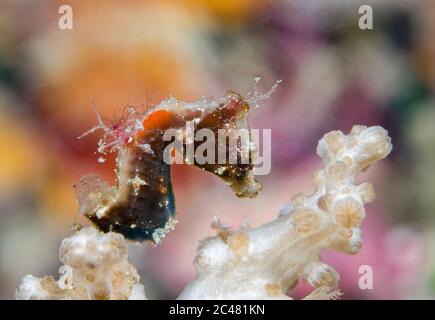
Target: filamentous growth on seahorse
{"x":141,"y":205}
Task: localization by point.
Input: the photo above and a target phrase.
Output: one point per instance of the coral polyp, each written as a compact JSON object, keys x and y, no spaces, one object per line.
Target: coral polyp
{"x":141,"y":205}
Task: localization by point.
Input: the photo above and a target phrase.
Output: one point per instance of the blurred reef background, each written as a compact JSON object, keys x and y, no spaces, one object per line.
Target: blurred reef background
{"x":334,"y":75}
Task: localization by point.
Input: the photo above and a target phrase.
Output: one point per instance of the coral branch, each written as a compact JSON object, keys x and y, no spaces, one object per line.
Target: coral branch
{"x":262,"y":263}
{"x":95,"y":267}
{"x":265,"y":263}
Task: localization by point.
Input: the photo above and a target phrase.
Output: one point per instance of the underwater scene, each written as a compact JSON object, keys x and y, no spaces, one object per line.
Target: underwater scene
{"x":280,"y":149}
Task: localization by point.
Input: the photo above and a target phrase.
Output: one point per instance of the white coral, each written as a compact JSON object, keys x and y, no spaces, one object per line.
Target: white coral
{"x":261,"y":263}
{"x":95,"y":267}
{"x":266,"y":262}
